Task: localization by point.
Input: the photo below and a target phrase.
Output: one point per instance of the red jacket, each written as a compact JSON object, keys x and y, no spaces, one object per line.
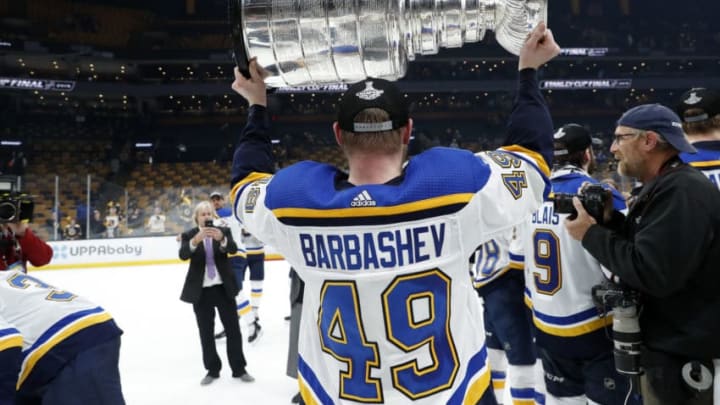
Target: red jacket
{"x":32,"y":249}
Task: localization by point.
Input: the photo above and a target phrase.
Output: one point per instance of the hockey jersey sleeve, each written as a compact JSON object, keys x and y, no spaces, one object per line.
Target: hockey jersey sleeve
{"x":253,"y":158}
{"x":252,"y":169}
{"x":530,"y":126}
{"x":516,"y":187}
{"x":518,"y":181}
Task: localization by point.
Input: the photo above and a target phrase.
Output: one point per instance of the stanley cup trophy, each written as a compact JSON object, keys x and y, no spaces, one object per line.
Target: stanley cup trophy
{"x":311,"y":42}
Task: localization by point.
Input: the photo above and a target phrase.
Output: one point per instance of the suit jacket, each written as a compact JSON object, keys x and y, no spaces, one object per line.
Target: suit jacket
{"x":196,"y":271}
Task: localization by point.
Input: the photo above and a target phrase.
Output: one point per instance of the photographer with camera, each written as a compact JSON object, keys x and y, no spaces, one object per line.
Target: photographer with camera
{"x":572,"y":336}
{"x":668,"y":249}
{"x":209,"y":284}
{"x":18,"y":244}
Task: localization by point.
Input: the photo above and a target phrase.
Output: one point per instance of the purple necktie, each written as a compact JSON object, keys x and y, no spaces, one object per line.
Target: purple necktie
{"x":209,"y":258}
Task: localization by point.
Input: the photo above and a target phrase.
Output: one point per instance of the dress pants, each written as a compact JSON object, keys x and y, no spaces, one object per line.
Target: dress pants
{"x":211,"y":298}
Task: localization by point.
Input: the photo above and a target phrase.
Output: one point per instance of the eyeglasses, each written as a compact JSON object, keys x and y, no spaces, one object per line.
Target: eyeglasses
{"x":619,"y":137}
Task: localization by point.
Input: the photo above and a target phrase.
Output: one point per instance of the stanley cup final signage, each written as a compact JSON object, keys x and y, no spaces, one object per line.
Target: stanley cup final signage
{"x":19,"y":83}
{"x":314,"y":42}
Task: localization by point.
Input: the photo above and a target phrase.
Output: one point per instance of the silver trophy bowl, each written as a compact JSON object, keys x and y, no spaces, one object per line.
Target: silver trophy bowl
{"x":312,"y":42}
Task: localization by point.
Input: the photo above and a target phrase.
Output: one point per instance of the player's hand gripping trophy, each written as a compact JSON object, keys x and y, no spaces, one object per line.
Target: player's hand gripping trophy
{"x":307,"y":42}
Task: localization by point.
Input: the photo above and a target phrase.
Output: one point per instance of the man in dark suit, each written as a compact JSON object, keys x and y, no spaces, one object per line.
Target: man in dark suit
{"x":210,"y":284}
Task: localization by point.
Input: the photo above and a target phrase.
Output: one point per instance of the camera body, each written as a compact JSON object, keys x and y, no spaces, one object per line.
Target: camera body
{"x":209,"y":224}
{"x":627,"y":337}
{"x":592,"y":198}
{"x":15,"y":207}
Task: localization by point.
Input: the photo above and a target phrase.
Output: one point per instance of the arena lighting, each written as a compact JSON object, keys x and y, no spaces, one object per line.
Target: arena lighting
{"x":10,"y":143}
{"x":275,"y":141}
{"x":141,"y":145}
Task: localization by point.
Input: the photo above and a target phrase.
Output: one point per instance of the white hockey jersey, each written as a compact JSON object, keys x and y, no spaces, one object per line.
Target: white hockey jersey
{"x":55,"y":325}
{"x":253,"y":245}
{"x":559,"y":274}
{"x":225,"y":219}
{"x":389,"y":314}
{"x":9,"y":336}
{"x":496,"y":257}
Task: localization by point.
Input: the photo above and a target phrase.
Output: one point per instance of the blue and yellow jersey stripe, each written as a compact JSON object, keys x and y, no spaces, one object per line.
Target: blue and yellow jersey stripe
{"x":498,"y":379}
{"x":10,"y":338}
{"x":255,"y":251}
{"x":710,"y":164}
{"x":534,"y":158}
{"x":469,"y":391}
{"x":580,"y":323}
{"x":244,"y":308}
{"x":415,"y":210}
{"x":60,"y":332}
{"x":310,"y":193}
{"x":522,"y":396}
{"x":476,"y":381}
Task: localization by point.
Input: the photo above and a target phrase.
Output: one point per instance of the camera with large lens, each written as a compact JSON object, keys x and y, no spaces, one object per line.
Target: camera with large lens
{"x":627,"y":339}
{"x":592,"y":199}
{"x":16,"y":207}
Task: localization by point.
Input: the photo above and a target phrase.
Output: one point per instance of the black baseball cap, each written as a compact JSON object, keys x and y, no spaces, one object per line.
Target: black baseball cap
{"x":705,"y":102}
{"x":660,"y":119}
{"x":571,"y":138}
{"x":372,"y":93}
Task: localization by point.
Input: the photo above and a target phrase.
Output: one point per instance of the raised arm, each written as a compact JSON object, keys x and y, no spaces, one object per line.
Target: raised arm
{"x":253,"y":153}
{"x":530,"y":125}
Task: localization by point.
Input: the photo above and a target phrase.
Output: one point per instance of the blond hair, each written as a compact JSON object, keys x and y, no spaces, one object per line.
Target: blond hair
{"x":202,"y":205}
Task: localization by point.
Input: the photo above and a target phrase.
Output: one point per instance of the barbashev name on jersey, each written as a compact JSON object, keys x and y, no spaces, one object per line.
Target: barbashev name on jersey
{"x":373,"y":250}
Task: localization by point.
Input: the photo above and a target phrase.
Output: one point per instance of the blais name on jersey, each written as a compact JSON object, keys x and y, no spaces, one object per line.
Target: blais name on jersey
{"x":385,"y":249}
{"x":546,"y":215}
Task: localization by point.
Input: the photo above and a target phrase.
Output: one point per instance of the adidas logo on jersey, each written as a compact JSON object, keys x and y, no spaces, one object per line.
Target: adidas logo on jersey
{"x":363,"y":200}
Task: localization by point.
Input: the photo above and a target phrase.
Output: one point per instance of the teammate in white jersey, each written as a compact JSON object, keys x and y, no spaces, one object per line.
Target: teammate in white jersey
{"x":389,"y":312}
{"x":499,"y":280}
{"x":70,"y":346}
{"x":10,"y":355}
{"x":238,"y":262}
{"x":572,"y":335}
{"x":699,"y":110}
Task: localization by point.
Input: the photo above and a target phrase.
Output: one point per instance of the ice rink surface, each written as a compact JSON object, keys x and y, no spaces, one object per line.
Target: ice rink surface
{"x":160,"y":358}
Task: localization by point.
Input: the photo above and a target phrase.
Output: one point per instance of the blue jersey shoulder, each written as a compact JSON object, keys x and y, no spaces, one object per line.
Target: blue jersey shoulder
{"x":223,"y":212}
{"x":438,"y":172}
{"x":707,"y":152}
